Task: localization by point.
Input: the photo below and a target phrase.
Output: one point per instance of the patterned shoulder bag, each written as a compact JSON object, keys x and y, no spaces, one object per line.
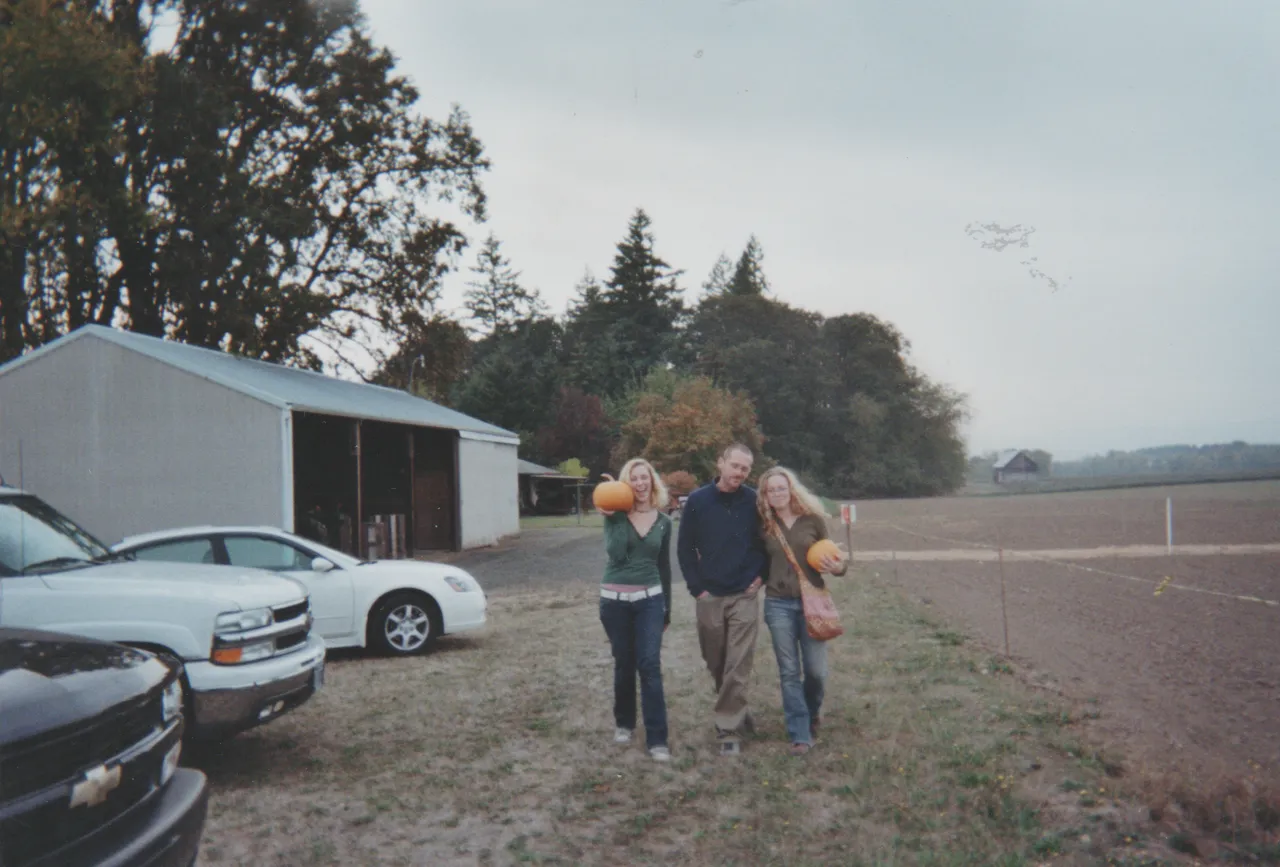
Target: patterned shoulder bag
{"x":820,"y":615}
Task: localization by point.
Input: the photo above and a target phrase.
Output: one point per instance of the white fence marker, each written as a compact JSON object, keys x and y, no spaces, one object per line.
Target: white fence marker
{"x":1168,"y":525}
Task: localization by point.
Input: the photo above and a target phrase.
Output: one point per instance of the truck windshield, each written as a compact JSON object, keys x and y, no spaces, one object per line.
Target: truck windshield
{"x":35,"y":537}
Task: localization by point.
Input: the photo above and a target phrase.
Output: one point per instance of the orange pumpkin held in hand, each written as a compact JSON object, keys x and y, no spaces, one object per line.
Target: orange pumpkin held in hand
{"x":819,"y":551}
{"x":613,"y":497}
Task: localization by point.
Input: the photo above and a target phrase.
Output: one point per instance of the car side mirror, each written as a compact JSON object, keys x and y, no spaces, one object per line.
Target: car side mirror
{"x":320,"y":564}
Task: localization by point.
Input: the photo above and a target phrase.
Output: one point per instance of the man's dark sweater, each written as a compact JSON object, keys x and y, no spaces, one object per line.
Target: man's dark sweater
{"x":719,"y":546}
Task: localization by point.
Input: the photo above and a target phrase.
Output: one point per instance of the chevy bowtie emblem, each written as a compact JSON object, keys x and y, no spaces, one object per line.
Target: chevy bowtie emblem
{"x":96,"y":785}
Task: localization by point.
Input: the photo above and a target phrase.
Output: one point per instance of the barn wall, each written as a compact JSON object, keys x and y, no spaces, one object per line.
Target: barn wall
{"x":123,"y":443}
{"x":488,"y":491}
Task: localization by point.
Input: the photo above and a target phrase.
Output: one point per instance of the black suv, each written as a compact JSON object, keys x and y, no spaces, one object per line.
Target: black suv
{"x":90,"y":738}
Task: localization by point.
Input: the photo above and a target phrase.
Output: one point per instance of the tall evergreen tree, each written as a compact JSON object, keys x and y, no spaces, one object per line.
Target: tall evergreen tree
{"x":748,"y":274}
{"x":622,"y":330}
{"x":718,"y":280}
{"x":496,"y":300}
{"x":515,"y":379}
{"x":594,"y":357}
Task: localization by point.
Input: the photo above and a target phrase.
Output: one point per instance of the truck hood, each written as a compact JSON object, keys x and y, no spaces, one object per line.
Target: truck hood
{"x":246,"y":588}
{"x":49,"y":680}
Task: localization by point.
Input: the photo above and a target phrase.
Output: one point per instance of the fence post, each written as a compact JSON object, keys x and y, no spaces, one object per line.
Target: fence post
{"x":1168,"y":526}
{"x":1004,"y":609}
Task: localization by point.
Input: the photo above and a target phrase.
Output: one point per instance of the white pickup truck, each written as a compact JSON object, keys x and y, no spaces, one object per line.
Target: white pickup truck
{"x":243,"y":637}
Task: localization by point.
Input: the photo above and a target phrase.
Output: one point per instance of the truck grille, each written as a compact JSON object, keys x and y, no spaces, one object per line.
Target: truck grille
{"x":37,"y":833}
{"x":56,"y":756}
{"x":296,"y":639}
{"x":57,"y":761}
{"x":289,"y":612}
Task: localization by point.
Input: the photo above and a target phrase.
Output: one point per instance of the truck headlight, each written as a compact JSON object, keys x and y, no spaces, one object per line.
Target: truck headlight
{"x":242,"y":621}
{"x":171,"y":702}
{"x":250,"y":652}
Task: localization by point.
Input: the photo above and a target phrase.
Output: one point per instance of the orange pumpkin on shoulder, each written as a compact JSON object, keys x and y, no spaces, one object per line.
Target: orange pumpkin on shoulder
{"x":613,"y":497}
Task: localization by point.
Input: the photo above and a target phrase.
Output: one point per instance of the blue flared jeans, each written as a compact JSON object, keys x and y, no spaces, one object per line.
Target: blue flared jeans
{"x":802,"y":666}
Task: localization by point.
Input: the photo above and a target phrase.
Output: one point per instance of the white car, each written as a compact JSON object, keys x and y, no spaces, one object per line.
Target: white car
{"x":398,"y":607}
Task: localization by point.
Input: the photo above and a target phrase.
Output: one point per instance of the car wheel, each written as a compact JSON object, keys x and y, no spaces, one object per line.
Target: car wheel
{"x":404,"y":624}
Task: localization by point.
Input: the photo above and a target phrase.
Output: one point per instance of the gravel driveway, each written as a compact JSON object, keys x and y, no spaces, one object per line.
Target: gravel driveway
{"x":535,"y":559}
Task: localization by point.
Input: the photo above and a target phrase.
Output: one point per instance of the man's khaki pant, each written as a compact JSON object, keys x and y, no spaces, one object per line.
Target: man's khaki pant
{"x":727,"y":627}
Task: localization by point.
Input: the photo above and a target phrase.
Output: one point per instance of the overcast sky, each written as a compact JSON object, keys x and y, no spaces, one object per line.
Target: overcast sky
{"x":857,"y":140}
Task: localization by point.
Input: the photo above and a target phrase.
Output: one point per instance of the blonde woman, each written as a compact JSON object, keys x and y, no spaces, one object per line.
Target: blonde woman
{"x":789,"y":511}
{"x":635,"y":605}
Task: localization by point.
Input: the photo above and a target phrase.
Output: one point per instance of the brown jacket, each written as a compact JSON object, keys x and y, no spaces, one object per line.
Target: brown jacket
{"x":782,"y":581}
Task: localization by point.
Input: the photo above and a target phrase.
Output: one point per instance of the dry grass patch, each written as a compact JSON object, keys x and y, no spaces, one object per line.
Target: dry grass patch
{"x":497,"y":750}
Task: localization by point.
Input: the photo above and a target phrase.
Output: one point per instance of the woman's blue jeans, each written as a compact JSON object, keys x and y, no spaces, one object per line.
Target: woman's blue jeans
{"x":635,"y":633}
{"x":802,"y":665}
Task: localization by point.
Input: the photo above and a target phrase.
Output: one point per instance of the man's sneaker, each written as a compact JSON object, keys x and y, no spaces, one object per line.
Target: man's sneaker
{"x":660,"y":754}
{"x":621,"y":735}
{"x":729,"y":745}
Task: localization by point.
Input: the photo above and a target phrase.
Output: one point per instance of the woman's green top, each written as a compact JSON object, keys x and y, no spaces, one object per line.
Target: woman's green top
{"x":635,"y":560}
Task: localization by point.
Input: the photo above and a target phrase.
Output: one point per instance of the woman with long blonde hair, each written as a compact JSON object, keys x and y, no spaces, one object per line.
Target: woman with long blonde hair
{"x":635,"y":604}
{"x":790,"y":515}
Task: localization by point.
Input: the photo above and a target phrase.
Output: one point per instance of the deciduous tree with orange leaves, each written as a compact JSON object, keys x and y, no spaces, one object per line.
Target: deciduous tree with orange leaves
{"x":683,"y":422}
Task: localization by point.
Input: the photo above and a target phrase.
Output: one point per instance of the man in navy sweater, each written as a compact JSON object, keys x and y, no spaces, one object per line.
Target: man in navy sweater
{"x":722,"y":557}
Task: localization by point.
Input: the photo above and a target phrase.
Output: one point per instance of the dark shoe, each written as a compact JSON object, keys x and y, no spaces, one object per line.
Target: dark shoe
{"x":799,"y":749}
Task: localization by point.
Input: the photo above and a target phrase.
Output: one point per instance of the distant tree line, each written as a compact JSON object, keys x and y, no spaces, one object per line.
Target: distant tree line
{"x":634,"y":368}
{"x":1173,"y":460}
{"x":265,"y":185}
{"x":1176,"y":460}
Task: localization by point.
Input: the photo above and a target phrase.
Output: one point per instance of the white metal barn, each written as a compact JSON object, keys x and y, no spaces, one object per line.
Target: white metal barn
{"x":128,"y":433}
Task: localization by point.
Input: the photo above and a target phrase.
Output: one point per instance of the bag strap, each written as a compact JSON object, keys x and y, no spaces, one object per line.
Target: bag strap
{"x":786,"y":549}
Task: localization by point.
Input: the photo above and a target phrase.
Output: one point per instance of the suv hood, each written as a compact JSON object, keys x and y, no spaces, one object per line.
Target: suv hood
{"x":49,"y":680}
{"x":242,"y":587}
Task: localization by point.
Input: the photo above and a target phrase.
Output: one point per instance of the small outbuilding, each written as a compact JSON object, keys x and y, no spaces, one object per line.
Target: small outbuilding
{"x":1014,"y":466}
{"x":544,"y":491}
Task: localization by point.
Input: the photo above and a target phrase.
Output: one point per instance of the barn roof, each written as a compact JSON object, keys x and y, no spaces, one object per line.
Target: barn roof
{"x":284,"y":387}
{"x":529,"y":468}
{"x":1005,"y":457}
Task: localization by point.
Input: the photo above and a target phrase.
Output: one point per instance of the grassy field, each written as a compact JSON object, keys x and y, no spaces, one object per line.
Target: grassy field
{"x":496,"y":749}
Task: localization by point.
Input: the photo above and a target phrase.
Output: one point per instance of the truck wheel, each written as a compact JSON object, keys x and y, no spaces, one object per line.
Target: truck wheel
{"x":404,"y":624}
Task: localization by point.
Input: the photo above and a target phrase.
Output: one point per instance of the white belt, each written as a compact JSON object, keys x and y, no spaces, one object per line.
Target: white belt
{"x":632,"y":597}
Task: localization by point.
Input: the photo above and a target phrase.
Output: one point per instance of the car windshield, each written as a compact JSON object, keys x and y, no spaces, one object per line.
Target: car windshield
{"x":36,"y":537}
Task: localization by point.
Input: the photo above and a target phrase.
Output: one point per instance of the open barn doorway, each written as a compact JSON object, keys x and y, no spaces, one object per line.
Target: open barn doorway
{"x":374,"y":489}
{"x":435,"y":490}
{"x":324,"y":480}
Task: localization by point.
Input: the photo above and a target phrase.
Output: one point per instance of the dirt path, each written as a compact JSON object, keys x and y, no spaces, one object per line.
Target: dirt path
{"x":991,"y":555}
